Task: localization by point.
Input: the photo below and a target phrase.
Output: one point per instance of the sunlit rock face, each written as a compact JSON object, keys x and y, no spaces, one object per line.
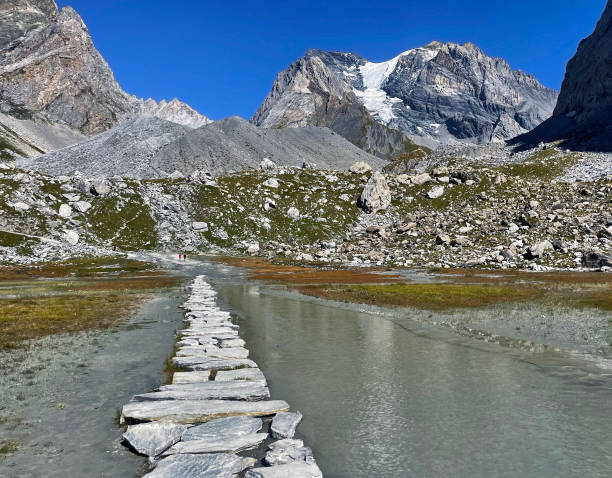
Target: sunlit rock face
{"x":51,"y":73}
{"x":440,"y":93}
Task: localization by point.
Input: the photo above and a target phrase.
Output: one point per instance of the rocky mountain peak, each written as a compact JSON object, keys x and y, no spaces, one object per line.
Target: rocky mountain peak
{"x":312,"y":91}
{"x":436,"y":94}
{"x":174,"y":110}
{"x":55,"y":86}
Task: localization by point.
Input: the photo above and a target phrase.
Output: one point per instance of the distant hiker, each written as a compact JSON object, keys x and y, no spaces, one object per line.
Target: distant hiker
{"x":179,"y":256}
{"x":114,"y":248}
{"x":184,"y":256}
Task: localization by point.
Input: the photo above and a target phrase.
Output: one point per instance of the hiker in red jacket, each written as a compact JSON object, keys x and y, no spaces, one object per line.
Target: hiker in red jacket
{"x":179,"y":256}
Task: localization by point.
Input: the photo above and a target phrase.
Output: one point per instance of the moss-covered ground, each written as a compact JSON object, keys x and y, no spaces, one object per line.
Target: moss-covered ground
{"x":73,"y":296}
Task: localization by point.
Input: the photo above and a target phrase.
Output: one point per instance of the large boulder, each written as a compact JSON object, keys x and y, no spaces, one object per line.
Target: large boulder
{"x":595,"y":260}
{"x":360,"y":167}
{"x":100,"y":187}
{"x":376,"y":194}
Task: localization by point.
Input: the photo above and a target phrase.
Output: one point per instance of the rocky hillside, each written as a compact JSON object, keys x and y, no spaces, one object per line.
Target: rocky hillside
{"x":148,"y":147}
{"x":457,"y":214}
{"x":55,"y":87}
{"x":437,"y":94}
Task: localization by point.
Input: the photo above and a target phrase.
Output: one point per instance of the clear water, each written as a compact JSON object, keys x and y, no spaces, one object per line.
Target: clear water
{"x":382,"y":401}
{"x":60,"y":398}
{"x":382,"y":396}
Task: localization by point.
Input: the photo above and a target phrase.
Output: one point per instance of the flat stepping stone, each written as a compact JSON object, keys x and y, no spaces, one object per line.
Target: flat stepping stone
{"x":198,"y":411}
{"x":227,"y":343}
{"x":284,"y":424}
{"x":288,"y":451}
{"x":208,"y":391}
{"x":224,"y":427}
{"x":214,"y":465}
{"x":212,"y":351}
{"x":206,"y":363}
{"x":293,"y":470}
{"x":249,"y":374}
{"x":192,"y":350}
{"x":191,"y":377}
{"x":232,"y":444}
{"x":152,"y":438}
{"x":229,"y":329}
{"x":229,"y":352}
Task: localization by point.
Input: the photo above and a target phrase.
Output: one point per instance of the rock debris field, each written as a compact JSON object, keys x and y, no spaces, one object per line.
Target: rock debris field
{"x":196,"y":426}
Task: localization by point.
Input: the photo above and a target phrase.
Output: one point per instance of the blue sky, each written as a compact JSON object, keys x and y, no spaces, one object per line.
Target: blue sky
{"x":222,"y":56}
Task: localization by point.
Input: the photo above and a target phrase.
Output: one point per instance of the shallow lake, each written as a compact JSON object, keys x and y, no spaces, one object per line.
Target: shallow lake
{"x":381,"y":400}
{"x":382,"y":396}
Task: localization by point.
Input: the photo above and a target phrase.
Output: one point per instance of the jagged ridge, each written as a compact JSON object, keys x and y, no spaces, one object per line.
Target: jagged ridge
{"x":436,"y":94}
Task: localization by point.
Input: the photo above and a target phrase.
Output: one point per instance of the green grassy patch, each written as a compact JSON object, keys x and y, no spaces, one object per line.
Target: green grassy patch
{"x":124,"y":222}
{"x":545,"y":165}
{"x":96,"y":293}
{"x":119,"y":266}
{"x":423,"y":296}
{"x":236,"y":207}
{"x":8,"y":447}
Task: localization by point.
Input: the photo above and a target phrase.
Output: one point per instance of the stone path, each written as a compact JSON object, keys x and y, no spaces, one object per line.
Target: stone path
{"x":214,"y":408}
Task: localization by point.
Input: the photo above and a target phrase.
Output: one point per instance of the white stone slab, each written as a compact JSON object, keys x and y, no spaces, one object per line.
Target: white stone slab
{"x":224,"y":427}
{"x":232,"y":444}
{"x":191,"y":377}
{"x":213,"y":465}
{"x":248,"y":374}
{"x":198,"y":411}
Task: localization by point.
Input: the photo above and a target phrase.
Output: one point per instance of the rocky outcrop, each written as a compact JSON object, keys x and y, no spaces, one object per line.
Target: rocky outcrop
{"x":582,"y":116}
{"x":437,"y":94}
{"x":585,"y":93}
{"x":51,"y":73}
{"x":309,"y":92}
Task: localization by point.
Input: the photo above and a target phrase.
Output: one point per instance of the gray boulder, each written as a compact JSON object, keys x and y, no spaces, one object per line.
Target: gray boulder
{"x":100,"y":187}
{"x":360,"y":167}
{"x":376,"y":194}
{"x":288,"y":451}
{"x":153,"y":438}
{"x":284,"y":424}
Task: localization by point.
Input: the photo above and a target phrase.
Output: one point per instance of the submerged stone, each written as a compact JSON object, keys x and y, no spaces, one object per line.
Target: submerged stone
{"x":152,"y":438}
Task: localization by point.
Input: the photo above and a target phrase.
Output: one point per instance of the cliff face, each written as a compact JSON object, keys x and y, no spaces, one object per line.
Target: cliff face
{"x":582,"y":117}
{"x":51,"y":70}
{"x":437,"y":94}
{"x":586,"y":92}
{"x":52,"y":75}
